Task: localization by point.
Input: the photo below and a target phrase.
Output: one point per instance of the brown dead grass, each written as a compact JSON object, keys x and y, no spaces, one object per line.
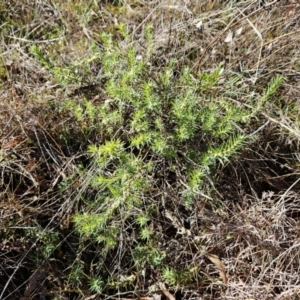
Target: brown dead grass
{"x":253,"y":222}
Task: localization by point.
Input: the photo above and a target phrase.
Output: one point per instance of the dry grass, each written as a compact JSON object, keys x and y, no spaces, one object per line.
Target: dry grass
{"x":252,"y":223}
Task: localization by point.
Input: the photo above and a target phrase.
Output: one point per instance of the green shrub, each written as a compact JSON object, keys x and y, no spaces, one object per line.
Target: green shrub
{"x":153,"y":122}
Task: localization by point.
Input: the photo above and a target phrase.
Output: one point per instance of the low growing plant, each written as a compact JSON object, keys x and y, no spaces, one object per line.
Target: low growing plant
{"x":162,"y":133}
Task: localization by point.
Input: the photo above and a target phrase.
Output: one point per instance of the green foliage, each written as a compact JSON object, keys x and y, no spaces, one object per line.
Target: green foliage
{"x":65,"y":74}
{"x":88,"y":224}
{"x":96,"y":285}
{"x":223,"y":152}
{"x":144,"y":254}
{"x":149,"y":118}
{"x":146,"y":233}
{"x":47,"y":240}
{"x":76,"y":274}
{"x":271,"y":89}
{"x":41,"y":57}
{"x":123,"y":281}
{"x":170,"y":276}
{"x":155,"y":134}
{"x":142,"y":219}
{"x":175,"y":277}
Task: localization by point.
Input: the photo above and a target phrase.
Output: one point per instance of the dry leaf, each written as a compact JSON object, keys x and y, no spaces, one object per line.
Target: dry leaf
{"x":165,"y":291}
{"x":228,"y":37}
{"x":220,"y":266}
{"x":168,"y":295}
{"x":12,"y":143}
{"x":177,"y":224}
{"x":155,"y":297}
{"x":239,"y":31}
{"x":200,"y":26}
